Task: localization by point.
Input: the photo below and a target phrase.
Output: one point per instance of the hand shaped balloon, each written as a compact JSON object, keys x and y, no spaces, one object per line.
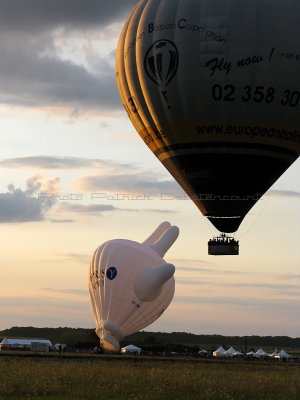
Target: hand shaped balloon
{"x":130,"y":284}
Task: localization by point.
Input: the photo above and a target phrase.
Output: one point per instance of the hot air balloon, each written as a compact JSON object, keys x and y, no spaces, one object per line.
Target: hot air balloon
{"x":130,"y":284}
{"x":212,"y":88}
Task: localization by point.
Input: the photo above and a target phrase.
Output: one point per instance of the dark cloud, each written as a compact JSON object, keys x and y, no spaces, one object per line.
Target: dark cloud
{"x":40,"y":15}
{"x":31,"y":72}
{"x":29,"y":79}
{"x":19,"y":205}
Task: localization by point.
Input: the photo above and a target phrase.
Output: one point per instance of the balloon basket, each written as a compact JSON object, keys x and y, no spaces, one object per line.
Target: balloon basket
{"x":223,"y":245}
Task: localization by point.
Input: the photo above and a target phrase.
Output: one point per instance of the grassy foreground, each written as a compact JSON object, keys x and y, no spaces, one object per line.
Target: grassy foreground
{"x":145,"y":379}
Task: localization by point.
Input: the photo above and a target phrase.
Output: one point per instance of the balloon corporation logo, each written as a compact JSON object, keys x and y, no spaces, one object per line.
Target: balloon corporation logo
{"x":111,"y":273}
{"x":161,"y":62}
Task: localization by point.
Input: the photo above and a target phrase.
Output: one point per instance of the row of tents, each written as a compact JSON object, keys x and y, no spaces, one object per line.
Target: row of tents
{"x":221,"y":352}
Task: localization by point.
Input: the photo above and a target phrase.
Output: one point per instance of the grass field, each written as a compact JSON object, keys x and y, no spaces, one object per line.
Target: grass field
{"x":105,"y":378}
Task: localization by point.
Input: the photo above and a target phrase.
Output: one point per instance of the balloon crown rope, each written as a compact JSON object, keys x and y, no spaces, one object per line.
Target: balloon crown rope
{"x":223,"y":245}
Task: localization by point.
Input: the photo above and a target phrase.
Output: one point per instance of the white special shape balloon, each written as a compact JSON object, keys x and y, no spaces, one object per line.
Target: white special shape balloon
{"x":130,"y":284}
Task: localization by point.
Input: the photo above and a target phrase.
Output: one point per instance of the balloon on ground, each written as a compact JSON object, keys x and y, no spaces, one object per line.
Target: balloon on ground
{"x":212,"y":87}
{"x":130,"y":284}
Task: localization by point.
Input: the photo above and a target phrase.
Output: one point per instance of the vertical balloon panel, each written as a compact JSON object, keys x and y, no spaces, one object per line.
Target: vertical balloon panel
{"x":127,"y":99}
{"x":138,"y":107}
{"x":157,"y":63}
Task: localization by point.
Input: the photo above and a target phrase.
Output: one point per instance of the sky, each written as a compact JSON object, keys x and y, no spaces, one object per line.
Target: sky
{"x":74,"y":174}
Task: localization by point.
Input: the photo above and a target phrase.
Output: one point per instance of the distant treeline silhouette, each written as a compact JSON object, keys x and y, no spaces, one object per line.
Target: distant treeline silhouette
{"x":85,"y":338}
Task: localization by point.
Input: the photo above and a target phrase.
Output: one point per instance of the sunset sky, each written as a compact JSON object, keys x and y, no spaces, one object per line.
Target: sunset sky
{"x":68,"y":149}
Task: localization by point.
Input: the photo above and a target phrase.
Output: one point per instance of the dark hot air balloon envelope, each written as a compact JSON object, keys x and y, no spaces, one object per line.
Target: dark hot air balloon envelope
{"x":212,"y":87}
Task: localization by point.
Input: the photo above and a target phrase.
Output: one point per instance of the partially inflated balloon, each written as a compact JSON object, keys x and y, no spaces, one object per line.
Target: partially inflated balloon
{"x":130,"y":284}
{"x":212,"y":87}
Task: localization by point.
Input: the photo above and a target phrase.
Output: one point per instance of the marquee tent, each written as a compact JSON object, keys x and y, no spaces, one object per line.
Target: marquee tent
{"x":274,"y":354}
{"x":202,"y":352}
{"x":238,"y":353}
{"x":230,"y":352}
{"x":282,"y":355}
{"x":261,"y":353}
{"x":219,"y":352}
{"x":131,"y":349}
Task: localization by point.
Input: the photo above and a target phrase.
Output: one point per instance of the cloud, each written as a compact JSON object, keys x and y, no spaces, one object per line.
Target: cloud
{"x":264,"y":285}
{"x":194,"y":269}
{"x":93,"y":209}
{"x":20,"y":206}
{"x":284,"y":193}
{"x":209,"y":270}
{"x":81,"y":258}
{"x":62,"y":221}
{"x":55,"y":162}
{"x":40,"y":302}
{"x":99,"y":209}
{"x":277,"y":304}
{"x":289,"y":276}
{"x":78,"y":292}
{"x":192,"y":261}
{"x":158,"y":211}
{"x":141,"y":182}
{"x":191,"y":282}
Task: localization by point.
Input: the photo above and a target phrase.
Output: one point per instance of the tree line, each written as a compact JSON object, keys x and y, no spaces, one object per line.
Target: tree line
{"x":85,"y":338}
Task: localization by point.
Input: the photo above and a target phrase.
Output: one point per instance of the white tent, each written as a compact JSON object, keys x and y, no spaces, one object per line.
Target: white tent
{"x":251,"y":353}
{"x":131,"y":349}
{"x":219,"y":352}
{"x":230,"y":352}
{"x":202,"y":351}
{"x":282,"y":355}
{"x":238,"y":353}
{"x":274,"y":354}
{"x":261,"y":353}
